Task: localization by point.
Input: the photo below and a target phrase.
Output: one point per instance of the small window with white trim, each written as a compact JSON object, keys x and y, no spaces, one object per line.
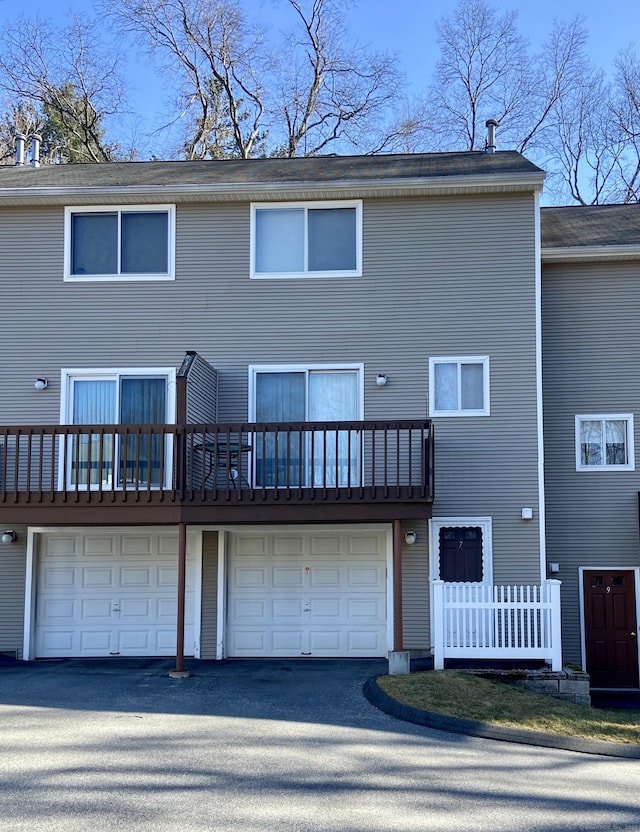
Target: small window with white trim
{"x":317,"y":239}
{"x":605,"y":442}
{"x":459,"y":386}
{"x":129,"y":243}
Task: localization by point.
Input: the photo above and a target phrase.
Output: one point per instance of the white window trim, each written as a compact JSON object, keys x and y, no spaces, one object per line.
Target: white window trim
{"x":484,"y":523}
{"x":357,"y":272}
{"x":170,"y":210}
{"x":113,"y":373}
{"x":628,"y":418}
{"x":107,"y":373}
{"x":460,"y":359}
{"x":254,"y":369}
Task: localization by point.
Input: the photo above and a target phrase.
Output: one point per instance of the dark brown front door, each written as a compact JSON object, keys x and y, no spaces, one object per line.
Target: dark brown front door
{"x":611,"y":639}
{"x":461,"y":553}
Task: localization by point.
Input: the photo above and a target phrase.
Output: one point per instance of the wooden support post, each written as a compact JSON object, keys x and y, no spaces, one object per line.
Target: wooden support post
{"x":397,"y":585}
{"x":179,"y":671}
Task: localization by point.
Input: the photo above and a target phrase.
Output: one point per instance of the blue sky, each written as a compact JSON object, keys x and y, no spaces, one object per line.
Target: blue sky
{"x":406,"y":27}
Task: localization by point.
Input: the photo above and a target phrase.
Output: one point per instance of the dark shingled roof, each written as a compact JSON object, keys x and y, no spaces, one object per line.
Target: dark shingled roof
{"x":268,"y":171}
{"x":590,"y":225}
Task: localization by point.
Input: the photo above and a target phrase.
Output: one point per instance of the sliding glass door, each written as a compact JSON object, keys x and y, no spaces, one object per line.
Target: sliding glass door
{"x":117,"y":459}
{"x":319,"y":458}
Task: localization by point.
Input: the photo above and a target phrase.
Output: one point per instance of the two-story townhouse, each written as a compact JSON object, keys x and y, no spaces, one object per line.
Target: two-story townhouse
{"x":259,"y":407}
{"x":591,"y":338}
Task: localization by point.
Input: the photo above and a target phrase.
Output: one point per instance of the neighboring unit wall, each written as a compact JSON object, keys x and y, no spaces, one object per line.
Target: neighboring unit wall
{"x":591,"y":347}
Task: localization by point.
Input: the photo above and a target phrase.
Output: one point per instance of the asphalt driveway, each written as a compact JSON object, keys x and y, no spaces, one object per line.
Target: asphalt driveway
{"x":263,"y":746}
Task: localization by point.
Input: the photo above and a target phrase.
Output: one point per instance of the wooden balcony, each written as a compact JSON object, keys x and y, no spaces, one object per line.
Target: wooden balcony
{"x":216,"y":473}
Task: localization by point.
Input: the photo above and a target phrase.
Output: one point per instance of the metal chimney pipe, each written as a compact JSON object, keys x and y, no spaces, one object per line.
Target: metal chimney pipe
{"x":20,"y":145}
{"x":491,"y":125}
{"x":35,"y":150}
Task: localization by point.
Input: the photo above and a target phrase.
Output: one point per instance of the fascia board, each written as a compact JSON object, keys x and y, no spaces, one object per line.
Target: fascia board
{"x":584,"y":254}
{"x":229,"y":192}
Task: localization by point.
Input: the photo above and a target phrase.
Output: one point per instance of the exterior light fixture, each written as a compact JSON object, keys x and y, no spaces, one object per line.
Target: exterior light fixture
{"x":527,"y":513}
{"x":8,"y":536}
{"x":41,"y":383}
{"x":410,"y":538}
{"x":381,"y":379}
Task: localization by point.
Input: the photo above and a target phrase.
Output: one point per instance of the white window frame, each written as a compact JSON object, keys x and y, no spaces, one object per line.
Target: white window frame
{"x":255,"y":369}
{"x":306,"y":274}
{"x":606,"y":417}
{"x":69,"y":211}
{"x":67,"y":376}
{"x":459,"y":360}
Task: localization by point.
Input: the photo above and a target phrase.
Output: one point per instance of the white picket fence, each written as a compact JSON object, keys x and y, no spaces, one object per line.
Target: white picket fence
{"x":497,"y":622}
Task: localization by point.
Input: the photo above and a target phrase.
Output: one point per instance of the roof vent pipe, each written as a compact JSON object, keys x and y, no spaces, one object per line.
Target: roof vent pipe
{"x":35,"y":150}
{"x":20,"y":144}
{"x":491,"y":125}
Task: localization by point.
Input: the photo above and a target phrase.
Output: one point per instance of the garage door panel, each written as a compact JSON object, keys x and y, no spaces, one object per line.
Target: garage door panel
{"x":325,"y":577}
{"x":60,"y":609}
{"x":55,"y":578}
{"x":113,"y":593}
{"x":359,"y":608}
{"x":244,"y":577}
{"x":93,"y":577}
{"x":131,"y":576}
{"x":94,"y":642}
{"x":359,"y":576}
{"x":95,"y":608}
{"x":287,"y":577}
{"x":363,"y":642}
{"x":325,"y":608}
{"x":283,"y":641}
{"x":311,"y":599}
{"x":98,"y":546}
{"x":138,"y":545}
{"x":135,"y":608}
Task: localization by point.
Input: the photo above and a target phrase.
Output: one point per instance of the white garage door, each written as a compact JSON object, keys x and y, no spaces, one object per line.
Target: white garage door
{"x":319,"y":594}
{"x":110,"y":594}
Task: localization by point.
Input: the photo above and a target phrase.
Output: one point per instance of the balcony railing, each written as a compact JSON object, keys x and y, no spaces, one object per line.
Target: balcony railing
{"x":209,"y":464}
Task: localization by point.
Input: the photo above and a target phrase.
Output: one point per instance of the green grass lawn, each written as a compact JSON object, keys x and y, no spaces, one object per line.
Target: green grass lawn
{"x":465,"y":695}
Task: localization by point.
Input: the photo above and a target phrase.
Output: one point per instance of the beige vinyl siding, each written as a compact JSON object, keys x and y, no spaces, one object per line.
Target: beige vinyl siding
{"x":591,"y":349}
{"x":441,"y":276}
{"x":415,"y":588}
{"x":12,"y":585}
{"x":209,"y":621}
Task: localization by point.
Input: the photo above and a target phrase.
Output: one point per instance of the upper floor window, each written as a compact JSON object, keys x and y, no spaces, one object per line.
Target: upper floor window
{"x":459,"y":386}
{"x":306,"y":239}
{"x":604,"y":442}
{"x":132,"y":243}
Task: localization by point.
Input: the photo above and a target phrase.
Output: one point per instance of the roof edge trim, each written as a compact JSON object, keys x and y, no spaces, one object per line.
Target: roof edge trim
{"x":576,"y":254}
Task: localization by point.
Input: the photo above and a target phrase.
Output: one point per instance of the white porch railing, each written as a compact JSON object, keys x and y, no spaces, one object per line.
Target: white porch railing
{"x":497,"y":622}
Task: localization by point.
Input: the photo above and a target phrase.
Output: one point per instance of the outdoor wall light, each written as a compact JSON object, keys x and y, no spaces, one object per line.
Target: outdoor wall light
{"x":410,"y":538}
{"x":527,"y":513}
{"x":8,"y":536}
{"x":381,"y":379}
{"x":41,"y":383}
{"x":554,"y":567}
